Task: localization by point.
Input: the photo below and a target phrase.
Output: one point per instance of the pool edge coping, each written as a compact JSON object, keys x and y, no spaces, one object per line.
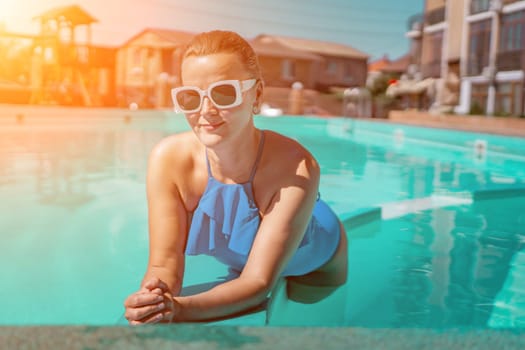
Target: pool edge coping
{"x":206,"y":336}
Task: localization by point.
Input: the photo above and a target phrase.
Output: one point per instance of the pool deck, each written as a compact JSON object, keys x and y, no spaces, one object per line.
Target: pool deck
{"x":509,"y":126}
{"x":186,"y":336}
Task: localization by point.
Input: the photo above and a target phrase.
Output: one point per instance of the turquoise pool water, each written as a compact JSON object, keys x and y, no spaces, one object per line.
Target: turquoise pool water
{"x":447,"y":252}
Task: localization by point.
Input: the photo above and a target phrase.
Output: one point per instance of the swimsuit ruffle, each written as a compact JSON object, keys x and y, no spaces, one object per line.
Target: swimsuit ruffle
{"x":225,"y":211}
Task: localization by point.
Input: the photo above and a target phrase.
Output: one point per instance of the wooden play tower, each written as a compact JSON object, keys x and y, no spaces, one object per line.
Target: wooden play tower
{"x":60,"y":67}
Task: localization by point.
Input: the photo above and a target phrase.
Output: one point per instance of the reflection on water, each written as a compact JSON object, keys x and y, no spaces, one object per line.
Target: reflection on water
{"x":451,"y":267}
{"x":62,"y":166}
{"x":73,"y":221}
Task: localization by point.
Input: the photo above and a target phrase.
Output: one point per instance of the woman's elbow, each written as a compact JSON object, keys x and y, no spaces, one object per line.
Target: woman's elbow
{"x":261,"y":287}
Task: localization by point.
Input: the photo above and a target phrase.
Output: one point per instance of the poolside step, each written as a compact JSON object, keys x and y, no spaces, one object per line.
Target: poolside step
{"x":401,"y":208}
{"x":360,"y":217}
{"x":499,"y":192}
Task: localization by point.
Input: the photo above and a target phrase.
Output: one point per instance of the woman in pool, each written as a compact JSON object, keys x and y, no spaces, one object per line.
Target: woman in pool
{"x":247,"y":196}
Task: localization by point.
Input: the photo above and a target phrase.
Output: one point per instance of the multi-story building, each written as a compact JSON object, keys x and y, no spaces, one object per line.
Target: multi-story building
{"x":475,"y":48}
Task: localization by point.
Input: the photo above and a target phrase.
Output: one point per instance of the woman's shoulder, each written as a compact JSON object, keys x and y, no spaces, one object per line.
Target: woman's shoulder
{"x":286,"y":163}
{"x":285,"y":147}
{"x":288,"y":154}
{"x":176,"y":147}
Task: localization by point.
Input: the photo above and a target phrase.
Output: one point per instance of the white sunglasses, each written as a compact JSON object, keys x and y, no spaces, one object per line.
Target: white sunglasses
{"x":222,"y":94}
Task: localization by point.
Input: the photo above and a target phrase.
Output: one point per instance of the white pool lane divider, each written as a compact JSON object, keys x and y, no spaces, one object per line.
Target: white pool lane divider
{"x":392,"y":210}
{"x":397,"y":209}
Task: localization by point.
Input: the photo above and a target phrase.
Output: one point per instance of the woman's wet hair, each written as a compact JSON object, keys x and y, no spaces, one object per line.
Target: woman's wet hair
{"x":220,"y":41}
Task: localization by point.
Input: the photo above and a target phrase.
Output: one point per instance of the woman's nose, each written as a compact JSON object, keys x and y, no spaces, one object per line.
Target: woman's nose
{"x":207,"y":106}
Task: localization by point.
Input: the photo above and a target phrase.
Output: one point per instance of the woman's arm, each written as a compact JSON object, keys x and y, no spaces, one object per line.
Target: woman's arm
{"x":167,"y":233}
{"x":167,"y":218}
{"x":279,"y":235}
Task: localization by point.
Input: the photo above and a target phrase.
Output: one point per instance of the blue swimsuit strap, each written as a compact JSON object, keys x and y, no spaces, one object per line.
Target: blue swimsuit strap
{"x":257,"y":159}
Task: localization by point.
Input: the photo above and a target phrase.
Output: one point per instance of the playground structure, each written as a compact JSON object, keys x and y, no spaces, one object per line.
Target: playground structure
{"x":60,"y":68}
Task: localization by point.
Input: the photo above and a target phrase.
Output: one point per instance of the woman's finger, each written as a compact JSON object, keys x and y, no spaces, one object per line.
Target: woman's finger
{"x":157,"y":291}
{"x":154,"y":283}
{"x":156,"y":318}
{"x":151,"y":283}
{"x":142,"y":299}
{"x":162,"y":285}
{"x":145,"y":313}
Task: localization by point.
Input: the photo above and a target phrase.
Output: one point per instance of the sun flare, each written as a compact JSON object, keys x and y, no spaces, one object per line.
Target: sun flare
{"x":8,"y":8}
{"x":16,"y":14}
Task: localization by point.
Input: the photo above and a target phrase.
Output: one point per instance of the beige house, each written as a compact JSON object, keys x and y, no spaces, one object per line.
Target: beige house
{"x":316,"y":64}
{"x":282,"y":66}
{"x":148,"y":65}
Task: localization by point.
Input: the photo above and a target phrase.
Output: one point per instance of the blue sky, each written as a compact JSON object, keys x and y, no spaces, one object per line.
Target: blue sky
{"x":376,"y":27}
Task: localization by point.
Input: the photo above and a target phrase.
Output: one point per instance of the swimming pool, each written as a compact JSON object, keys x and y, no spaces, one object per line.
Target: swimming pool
{"x":445,"y":250}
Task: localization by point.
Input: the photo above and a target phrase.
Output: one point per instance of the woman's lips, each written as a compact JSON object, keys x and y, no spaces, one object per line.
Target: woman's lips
{"x":210,"y":126}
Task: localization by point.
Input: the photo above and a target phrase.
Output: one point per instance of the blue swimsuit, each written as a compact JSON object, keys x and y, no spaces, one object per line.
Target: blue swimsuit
{"x":226,"y":220}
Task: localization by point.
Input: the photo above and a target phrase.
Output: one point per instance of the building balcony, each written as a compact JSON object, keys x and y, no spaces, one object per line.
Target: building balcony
{"x":435,"y":16}
{"x":414,"y":26}
{"x":477,"y":6}
{"x":431,"y":69}
{"x":506,"y":2}
{"x":476,"y":64}
{"x":415,"y":22}
{"x":510,"y":60}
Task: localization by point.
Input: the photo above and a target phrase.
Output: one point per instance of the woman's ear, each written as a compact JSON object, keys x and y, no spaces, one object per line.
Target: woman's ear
{"x":259,"y":92}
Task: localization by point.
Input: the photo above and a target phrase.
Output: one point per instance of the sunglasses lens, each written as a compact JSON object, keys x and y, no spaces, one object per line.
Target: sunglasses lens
{"x":223,"y":95}
{"x":188,"y":99}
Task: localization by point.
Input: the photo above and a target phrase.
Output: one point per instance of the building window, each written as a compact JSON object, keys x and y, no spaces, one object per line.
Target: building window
{"x":137,"y":56}
{"x":288,"y":69}
{"x":432,"y":66}
{"x":511,"y":41}
{"x":477,"y":6}
{"x":347,"y":73}
{"x":435,"y":16}
{"x":508,"y":98}
{"x":168,"y":61}
{"x":479,"y":98}
{"x":331,"y":67}
{"x":512,"y":31}
{"x":479,"y":47}
{"x":83,"y":54}
{"x":49,"y":55}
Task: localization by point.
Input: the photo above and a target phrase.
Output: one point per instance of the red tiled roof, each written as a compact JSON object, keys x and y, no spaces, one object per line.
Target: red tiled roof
{"x":268,"y":46}
{"x":378,"y":65}
{"x":317,"y":46}
{"x":386,"y":65}
{"x":398,"y":66}
{"x":177,"y":37}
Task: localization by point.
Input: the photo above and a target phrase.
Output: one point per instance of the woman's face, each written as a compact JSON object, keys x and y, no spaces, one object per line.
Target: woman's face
{"x":212,"y":124}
